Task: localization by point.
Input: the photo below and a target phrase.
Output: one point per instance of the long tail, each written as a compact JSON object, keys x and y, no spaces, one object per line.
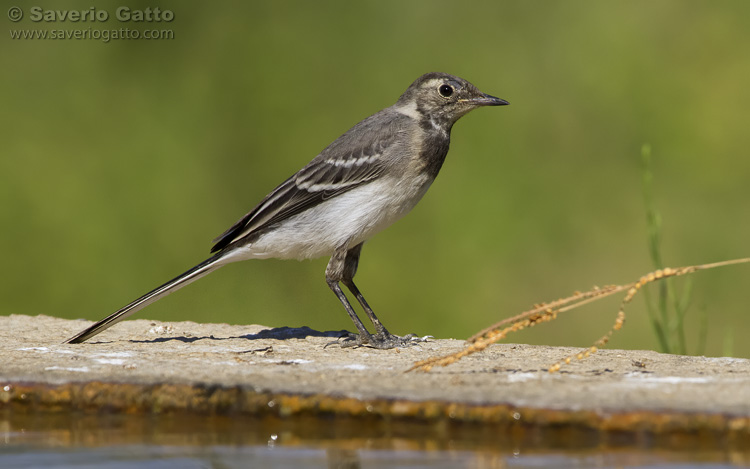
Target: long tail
{"x":200,"y":270}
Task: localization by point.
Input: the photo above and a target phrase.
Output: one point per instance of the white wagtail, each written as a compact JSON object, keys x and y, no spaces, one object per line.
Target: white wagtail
{"x":361,"y":183}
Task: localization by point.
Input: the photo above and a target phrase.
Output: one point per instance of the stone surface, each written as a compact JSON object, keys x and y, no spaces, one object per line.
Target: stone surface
{"x":140,"y":355}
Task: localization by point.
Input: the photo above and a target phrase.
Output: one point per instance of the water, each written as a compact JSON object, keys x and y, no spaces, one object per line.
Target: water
{"x":65,"y":440}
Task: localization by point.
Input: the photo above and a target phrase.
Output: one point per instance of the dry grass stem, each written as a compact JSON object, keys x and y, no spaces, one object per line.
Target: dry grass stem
{"x":545,"y":312}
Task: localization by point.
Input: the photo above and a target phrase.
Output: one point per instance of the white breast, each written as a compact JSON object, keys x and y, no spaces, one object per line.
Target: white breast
{"x":352,"y":217}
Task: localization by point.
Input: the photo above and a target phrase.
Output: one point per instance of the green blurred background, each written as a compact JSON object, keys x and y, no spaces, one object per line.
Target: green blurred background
{"x":122,"y":160}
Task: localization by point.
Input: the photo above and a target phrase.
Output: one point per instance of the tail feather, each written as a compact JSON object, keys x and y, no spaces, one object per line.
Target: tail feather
{"x":200,"y":270}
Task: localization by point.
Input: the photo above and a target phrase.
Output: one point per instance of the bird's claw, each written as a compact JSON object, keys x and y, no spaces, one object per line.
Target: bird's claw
{"x":380,"y":341}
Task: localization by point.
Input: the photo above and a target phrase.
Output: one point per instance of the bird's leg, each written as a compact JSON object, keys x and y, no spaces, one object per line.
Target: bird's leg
{"x":351,"y":262}
{"x":382,"y":338}
{"x":334,"y":274}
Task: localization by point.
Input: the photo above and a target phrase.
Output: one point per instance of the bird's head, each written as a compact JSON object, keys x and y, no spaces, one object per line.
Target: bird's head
{"x":443,"y":99}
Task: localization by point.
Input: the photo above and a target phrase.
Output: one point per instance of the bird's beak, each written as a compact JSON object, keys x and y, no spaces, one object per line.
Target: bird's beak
{"x":486,"y":100}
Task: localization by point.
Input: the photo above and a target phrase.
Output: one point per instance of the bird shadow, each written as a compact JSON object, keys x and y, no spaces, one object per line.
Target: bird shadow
{"x":277,"y":333}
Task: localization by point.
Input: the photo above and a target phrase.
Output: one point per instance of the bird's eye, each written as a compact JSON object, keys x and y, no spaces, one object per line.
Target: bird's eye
{"x":445,"y":91}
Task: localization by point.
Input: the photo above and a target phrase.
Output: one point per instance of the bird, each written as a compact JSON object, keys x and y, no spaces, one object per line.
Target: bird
{"x":363,"y":182}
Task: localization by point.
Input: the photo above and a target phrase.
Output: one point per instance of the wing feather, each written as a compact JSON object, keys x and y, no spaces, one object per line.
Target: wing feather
{"x":347,"y":163}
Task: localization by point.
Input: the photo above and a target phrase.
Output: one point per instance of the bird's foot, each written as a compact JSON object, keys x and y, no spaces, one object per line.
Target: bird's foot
{"x":380,"y":341}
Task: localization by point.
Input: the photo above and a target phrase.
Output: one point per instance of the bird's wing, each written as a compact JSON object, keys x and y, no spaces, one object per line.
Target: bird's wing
{"x":345,"y":164}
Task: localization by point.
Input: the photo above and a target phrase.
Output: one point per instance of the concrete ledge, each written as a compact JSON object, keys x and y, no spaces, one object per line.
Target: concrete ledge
{"x":147,"y":366}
